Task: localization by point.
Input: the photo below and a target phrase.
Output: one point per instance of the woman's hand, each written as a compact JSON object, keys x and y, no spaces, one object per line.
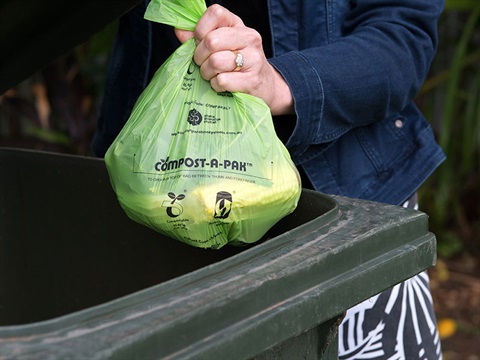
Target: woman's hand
{"x":218,"y":34}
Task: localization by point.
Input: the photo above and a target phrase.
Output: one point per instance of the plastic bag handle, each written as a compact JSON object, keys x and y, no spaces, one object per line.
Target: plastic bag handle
{"x":180,"y":14}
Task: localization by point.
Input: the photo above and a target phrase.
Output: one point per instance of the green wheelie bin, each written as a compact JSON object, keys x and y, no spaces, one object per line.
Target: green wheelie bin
{"x":79,"y":280}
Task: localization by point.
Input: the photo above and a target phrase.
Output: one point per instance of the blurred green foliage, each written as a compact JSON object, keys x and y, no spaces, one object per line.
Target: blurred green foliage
{"x":451,"y":100}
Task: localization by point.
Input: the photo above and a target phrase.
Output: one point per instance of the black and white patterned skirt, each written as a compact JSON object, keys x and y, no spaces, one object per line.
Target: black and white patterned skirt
{"x":397,"y":324}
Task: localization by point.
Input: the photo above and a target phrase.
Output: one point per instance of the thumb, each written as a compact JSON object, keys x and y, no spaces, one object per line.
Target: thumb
{"x":183,"y":35}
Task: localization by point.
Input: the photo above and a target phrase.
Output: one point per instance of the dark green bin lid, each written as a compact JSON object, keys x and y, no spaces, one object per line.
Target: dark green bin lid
{"x":330,"y":254}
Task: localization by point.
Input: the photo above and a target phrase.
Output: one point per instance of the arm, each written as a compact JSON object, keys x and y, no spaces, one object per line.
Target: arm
{"x":368,"y":75}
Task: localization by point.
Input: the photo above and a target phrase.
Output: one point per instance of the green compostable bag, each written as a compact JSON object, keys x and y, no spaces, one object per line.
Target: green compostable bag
{"x":202,"y":167}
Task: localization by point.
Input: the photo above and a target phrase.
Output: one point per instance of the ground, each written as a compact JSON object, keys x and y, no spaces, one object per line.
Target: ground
{"x":455,"y":285}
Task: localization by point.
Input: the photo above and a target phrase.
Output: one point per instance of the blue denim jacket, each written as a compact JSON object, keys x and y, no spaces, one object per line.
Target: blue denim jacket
{"x":353,"y":67}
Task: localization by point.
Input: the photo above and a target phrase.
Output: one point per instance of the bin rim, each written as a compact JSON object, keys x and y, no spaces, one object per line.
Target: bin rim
{"x":253,"y":251}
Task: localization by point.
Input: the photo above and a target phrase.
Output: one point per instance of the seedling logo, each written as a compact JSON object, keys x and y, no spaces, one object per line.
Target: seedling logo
{"x":173,"y":208}
{"x":194,"y":117}
{"x":223,"y":205}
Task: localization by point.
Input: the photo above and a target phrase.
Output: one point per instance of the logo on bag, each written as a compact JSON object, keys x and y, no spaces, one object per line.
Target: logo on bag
{"x":223,"y":205}
{"x":191,"y":67}
{"x":173,"y":208}
{"x":188,"y":162}
{"x":194,"y":117}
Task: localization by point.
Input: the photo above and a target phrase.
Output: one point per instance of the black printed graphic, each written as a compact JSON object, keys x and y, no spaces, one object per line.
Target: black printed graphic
{"x":194,"y":117}
{"x":173,"y":208}
{"x":223,"y":205}
{"x":191,"y":68}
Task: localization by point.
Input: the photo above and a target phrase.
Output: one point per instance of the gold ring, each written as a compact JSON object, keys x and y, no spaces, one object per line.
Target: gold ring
{"x":238,"y":60}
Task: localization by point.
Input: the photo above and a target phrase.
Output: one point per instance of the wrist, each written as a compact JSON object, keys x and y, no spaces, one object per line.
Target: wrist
{"x":282,"y":101}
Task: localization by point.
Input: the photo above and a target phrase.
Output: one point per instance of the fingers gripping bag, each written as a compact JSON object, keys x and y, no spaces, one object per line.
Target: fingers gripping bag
{"x":201,"y":167}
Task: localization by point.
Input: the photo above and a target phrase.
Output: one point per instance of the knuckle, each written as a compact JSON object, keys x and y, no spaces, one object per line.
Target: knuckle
{"x":215,"y":85}
{"x":196,"y":59}
{"x":216,"y":10}
{"x":211,"y":42}
{"x":222,"y":81}
{"x":253,"y":37}
{"x":254,"y":82}
{"x":215,"y":61}
{"x":204,"y":73}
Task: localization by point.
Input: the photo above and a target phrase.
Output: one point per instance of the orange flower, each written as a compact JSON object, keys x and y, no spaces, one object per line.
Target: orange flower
{"x":446,"y":328}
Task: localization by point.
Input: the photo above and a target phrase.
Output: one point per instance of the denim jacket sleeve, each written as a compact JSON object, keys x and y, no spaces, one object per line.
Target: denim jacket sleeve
{"x":366,"y":72}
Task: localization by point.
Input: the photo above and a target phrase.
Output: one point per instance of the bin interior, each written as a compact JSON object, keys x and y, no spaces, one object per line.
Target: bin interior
{"x":66,"y":244}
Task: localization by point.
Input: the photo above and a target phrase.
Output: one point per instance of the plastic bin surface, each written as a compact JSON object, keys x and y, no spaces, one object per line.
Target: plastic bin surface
{"x":78,"y":279}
